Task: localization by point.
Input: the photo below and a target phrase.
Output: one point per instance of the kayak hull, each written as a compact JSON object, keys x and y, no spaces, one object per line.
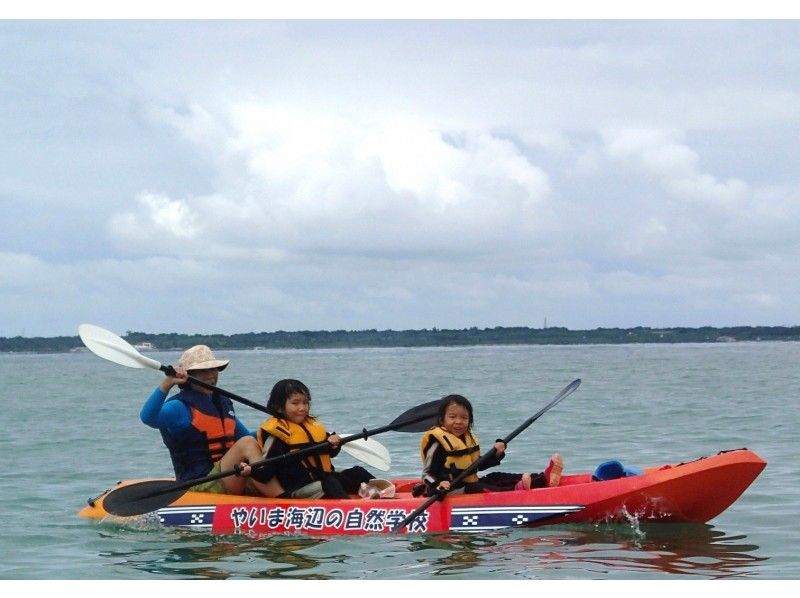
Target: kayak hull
{"x":695,"y":491}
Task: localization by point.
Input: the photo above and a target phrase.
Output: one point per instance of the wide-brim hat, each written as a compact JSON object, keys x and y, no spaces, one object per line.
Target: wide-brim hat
{"x":200,"y":357}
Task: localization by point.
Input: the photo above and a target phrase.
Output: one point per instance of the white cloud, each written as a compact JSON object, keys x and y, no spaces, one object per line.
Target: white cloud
{"x":675,"y":165}
{"x":288,"y":174}
{"x":21,"y":271}
{"x":759,"y":300}
{"x":329,"y":183}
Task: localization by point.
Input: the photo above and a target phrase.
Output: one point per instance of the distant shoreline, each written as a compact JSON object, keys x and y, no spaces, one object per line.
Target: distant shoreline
{"x":434,"y":337}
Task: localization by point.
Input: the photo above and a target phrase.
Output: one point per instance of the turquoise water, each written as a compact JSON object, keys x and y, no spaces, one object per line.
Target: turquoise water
{"x":71,"y":429}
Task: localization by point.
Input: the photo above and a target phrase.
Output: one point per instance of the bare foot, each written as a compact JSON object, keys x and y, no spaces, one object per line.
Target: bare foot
{"x":555,"y":468}
{"x":524,"y":482}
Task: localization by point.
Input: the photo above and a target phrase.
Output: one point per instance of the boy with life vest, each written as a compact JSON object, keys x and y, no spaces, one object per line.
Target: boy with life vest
{"x":450,"y":447}
{"x":201,"y":430}
{"x":292,"y":427}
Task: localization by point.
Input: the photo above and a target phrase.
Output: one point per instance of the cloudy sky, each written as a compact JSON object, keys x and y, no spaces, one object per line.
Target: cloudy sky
{"x":235,"y":176}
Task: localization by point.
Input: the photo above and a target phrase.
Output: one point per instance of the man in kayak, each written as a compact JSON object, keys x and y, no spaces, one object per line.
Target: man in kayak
{"x":201,"y":430}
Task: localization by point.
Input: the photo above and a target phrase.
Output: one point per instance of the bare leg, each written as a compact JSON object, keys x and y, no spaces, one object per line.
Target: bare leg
{"x":246,"y":449}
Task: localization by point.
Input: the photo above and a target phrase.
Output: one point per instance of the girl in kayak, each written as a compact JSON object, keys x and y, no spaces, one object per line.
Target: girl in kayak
{"x":450,"y":447}
{"x":201,"y":430}
{"x":292,"y":427}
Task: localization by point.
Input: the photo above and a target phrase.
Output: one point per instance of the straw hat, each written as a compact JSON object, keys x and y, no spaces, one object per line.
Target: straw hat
{"x":200,"y":357}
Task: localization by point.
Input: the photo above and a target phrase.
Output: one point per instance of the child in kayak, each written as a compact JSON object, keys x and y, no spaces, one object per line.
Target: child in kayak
{"x":292,"y":427}
{"x":450,"y":447}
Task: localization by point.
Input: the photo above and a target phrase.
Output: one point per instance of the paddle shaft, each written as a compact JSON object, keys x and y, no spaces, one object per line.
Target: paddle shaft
{"x":170,"y":371}
{"x":108,"y":345}
{"x":317,"y":448}
{"x":476,"y":465}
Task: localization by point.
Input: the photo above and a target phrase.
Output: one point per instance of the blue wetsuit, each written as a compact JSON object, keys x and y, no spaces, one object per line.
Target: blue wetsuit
{"x":193,"y":453}
{"x":174,"y":416}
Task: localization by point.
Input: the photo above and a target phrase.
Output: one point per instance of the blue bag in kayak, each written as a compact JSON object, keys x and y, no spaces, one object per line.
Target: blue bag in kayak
{"x":611,"y":470}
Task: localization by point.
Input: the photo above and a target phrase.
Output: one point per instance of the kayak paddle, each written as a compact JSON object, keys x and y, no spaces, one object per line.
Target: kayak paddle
{"x":369,"y":451}
{"x":147,"y":496}
{"x":487,"y":456}
{"x":108,"y":345}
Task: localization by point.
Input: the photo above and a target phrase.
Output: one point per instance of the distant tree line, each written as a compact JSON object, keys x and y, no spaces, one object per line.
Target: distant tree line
{"x":434,"y":337}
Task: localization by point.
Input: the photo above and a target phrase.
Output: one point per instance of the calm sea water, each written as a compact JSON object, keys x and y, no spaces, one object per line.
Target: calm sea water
{"x":71,"y":429}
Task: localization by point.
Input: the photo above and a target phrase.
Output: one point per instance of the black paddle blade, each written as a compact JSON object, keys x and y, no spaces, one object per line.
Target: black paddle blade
{"x":141,"y":497}
{"x":418,"y":418}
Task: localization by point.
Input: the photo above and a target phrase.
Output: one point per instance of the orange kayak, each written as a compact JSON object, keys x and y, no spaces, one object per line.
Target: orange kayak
{"x":693,"y":491}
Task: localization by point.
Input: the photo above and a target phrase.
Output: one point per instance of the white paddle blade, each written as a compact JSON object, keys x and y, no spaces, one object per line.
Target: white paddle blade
{"x":369,"y":451}
{"x":108,"y":345}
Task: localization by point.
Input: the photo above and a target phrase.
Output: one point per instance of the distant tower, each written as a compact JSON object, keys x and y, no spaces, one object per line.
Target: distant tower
{"x":545,"y":323}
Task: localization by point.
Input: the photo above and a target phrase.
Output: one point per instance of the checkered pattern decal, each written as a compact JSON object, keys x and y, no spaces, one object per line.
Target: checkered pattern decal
{"x":483,"y":518}
{"x":199,"y":517}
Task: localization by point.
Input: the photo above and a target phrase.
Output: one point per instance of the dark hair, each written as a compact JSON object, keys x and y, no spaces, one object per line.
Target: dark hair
{"x":283,"y":389}
{"x":454,"y":400}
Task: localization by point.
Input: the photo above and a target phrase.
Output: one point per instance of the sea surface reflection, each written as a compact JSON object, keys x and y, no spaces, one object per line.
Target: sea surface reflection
{"x":689,"y":551}
{"x":596,"y":552}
